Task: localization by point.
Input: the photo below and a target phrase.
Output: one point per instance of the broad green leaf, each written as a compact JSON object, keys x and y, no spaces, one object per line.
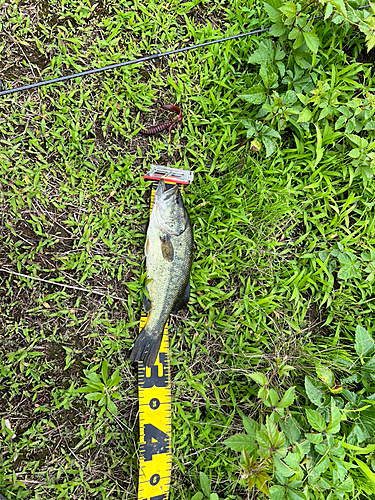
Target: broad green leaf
{"x":268,"y":76}
{"x":112,"y":407}
{"x":269,"y":145}
{"x":355,"y":153}
{"x":281,"y":452}
{"x":295,"y":495}
{"x":364,"y":343}
{"x":281,"y":467}
{"x":289,"y":9}
{"x":321,"y":449}
{"x":305,"y":116}
{"x":340,"y":122}
{"x":275,"y":3}
{"x":293,"y":460}
{"x":281,"y":67}
{"x":323,"y":484}
{"x":325,"y":375}
{"x":94,"y":378}
{"x":115,"y":379}
{"x":273,"y":133}
{"x":250,"y":126}
{"x":250,"y":426}
{"x":349,"y":267}
{"x":294,"y":33}
{"x":272,"y":431}
{"x":366,"y":172}
{"x":335,"y":419}
{"x":197,"y":496}
{"x":314,"y":393}
{"x":205,"y":484}
{"x":322,"y":465}
{"x":303,"y":60}
{"x":358,"y":141}
{"x":278,"y":29}
{"x":263,"y":439}
{"x":370,"y":38}
{"x":214,"y":496}
{"x":314,"y":438}
{"x":287,"y":399}
{"x":346,"y":485}
{"x":290,"y":97}
{"x":239,"y":442}
{"x":369,"y":367}
{"x":91,"y":387}
{"x":273,"y":14}
{"x":277,"y":492}
{"x":340,"y":6}
{"x":259,"y":378}
{"x":303,"y":448}
{"x":341,"y":468}
{"x":272,"y":397}
{"x":94,"y":396}
{"x":298,"y":41}
{"x":265,"y":52}
{"x":315,"y":420}
{"x":290,"y":429}
{"x":255,"y":94}
{"x":261,"y":482}
{"x":312,"y":41}
{"x":329,"y":11}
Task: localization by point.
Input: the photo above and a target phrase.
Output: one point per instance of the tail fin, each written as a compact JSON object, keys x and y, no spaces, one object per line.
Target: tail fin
{"x":146,"y":348}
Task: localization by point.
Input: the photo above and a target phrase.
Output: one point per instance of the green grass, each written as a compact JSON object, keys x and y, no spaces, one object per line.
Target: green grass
{"x":73,"y":211}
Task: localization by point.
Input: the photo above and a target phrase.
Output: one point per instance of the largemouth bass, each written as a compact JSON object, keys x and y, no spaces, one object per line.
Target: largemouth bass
{"x":169,"y":251}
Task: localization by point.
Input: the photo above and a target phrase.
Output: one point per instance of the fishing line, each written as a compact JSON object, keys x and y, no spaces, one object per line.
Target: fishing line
{"x":139,"y":60}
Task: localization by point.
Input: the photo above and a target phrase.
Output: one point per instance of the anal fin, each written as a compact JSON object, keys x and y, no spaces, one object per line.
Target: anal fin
{"x":183,"y":300}
{"x":146,"y":303}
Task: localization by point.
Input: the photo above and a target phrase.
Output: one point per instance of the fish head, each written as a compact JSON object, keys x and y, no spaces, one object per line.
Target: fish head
{"x":168,"y":211}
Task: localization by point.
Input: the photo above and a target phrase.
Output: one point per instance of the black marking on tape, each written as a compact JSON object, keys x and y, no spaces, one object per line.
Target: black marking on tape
{"x":154,"y":380}
{"x":154,"y":479}
{"x":156,"y":442}
{"x":154,"y":403}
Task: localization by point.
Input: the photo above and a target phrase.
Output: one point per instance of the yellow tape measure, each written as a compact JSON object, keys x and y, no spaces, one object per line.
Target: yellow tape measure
{"x":154,"y":389}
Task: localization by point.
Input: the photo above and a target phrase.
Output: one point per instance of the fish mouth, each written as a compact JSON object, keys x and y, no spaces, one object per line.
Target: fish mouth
{"x":165,"y":193}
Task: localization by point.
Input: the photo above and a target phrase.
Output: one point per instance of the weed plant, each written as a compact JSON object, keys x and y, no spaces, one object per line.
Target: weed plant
{"x":278,"y":331}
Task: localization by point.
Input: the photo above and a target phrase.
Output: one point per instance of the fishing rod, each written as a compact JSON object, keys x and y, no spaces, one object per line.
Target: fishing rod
{"x":128,"y":63}
{"x":139,"y":60}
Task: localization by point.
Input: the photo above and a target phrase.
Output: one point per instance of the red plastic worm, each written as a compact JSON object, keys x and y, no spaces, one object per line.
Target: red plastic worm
{"x":157,"y":129}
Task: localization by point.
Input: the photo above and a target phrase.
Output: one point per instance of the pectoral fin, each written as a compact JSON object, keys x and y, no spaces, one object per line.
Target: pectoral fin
{"x":183,"y":300}
{"x":167,"y":247}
